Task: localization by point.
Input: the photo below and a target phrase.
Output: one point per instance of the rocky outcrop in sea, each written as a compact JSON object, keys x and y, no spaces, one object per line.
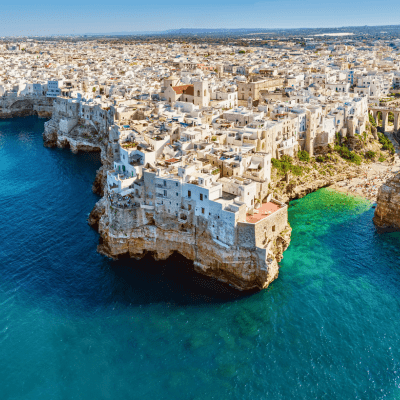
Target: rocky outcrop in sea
{"x":387,"y":212}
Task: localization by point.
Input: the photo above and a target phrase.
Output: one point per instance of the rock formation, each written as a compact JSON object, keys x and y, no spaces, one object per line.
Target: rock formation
{"x":387,"y":212}
{"x":28,"y":105}
{"x":137,"y":231}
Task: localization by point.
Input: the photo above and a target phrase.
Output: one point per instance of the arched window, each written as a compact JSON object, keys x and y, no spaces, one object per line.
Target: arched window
{"x":205,"y":93}
{"x":198,"y":93}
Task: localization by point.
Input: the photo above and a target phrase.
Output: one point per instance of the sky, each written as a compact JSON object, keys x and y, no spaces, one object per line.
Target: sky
{"x":45,"y":17}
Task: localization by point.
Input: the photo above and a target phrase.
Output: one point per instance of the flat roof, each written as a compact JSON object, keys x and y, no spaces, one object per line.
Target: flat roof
{"x":264,"y":211}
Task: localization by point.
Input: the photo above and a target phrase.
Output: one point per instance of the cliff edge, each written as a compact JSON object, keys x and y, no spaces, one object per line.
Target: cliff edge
{"x":136,"y":231}
{"x":387,"y":212}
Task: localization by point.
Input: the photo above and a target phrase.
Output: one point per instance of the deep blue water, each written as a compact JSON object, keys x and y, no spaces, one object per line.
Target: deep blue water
{"x":75,"y":325}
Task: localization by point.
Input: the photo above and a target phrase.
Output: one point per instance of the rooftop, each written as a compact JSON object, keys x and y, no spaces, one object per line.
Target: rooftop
{"x":264,"y":211}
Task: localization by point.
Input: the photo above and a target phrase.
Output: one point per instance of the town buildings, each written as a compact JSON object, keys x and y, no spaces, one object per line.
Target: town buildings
{"x":192,"y":131}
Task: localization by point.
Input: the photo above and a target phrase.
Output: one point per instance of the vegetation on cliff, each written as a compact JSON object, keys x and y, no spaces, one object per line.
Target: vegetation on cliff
{"x":296,"y":176}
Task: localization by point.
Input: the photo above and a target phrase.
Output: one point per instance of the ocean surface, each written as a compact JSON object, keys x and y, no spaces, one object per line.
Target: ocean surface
{"x":75,"y":325}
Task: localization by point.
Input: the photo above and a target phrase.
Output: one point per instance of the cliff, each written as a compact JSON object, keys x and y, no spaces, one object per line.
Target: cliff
{"x":297,"y":191}
{"x":135,"y":231}
{"x":387,"y":212}
{"x":14,"y":106}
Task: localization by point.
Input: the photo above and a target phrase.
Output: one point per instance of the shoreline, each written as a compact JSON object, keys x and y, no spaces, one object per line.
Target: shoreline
{"x":376,"y":174}
{"x":368,"y":184}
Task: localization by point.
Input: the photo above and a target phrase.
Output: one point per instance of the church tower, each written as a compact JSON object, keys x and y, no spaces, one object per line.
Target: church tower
{"x":201,"y":94}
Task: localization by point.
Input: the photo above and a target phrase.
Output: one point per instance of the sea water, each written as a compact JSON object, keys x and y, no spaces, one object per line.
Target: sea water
{"x":76,"y":325}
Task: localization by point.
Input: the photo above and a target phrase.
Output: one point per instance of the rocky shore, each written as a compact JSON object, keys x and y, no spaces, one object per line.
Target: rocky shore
{"x":11,"y":107}
{"x":241,"y":267}
{"x":339,"y":174}
{"x":387,"y":213}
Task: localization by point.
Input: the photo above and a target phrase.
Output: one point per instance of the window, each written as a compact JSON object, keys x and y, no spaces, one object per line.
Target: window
{"x":201,"y":196}
{"x":177,"y":193}
{"x":202,"y":210}
{"x":165,"y":183}
{"x":189,"y":207}
{"x":189,"y":193}
{"x":176,"y":184}
{"x":273,"y":228}
{"x":165,"y":193}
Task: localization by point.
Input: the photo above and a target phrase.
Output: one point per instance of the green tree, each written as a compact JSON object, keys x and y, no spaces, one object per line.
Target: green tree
{"x":303,"y":156}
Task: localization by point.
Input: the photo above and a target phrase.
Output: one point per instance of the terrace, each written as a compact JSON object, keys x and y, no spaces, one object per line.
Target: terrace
{"x":264,"y":211}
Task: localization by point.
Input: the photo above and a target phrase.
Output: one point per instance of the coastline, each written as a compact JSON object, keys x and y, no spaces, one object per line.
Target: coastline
{"x":376,"y":174}
{"x":367,"y":186}
{"x":147,"y":234}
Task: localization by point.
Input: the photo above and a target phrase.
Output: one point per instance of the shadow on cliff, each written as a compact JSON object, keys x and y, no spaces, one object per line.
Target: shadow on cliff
{"x":172,"y":281}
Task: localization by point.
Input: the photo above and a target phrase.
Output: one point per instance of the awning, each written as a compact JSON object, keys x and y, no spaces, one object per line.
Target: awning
{"x":253,"y":165}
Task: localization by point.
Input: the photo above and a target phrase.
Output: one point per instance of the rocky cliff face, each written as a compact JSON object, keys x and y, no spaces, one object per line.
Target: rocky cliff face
{"x":133,"y":232}
{"x":11,"y":107}
{"x":387,"y":212}
{"x":294,"y":191}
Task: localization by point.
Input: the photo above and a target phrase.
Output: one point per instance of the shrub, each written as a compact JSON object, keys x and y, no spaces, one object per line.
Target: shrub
{"x":355,"y":158}
{"x":370,"y":154}
{"x":386,"y":143}
{"x":297,"y":170}
{"x":337,"y":139}
{"x":381,"y":158}
{"x":285,"y":165}
{"x":287,"y":159}
{"x":320,"y":159}
{"x":303,"y":156}
{"x":348,"y":155}
{"x":372,"y":120}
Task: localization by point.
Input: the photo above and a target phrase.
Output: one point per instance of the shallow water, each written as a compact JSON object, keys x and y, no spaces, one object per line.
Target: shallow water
{"x":75,"y":325}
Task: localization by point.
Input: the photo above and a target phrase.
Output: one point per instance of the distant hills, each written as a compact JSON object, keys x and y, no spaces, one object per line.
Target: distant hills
{"x":238,"y":31}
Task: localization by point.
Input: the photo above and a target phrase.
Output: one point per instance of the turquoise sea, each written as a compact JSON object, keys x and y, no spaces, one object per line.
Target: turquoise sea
{"x":75,"y":325}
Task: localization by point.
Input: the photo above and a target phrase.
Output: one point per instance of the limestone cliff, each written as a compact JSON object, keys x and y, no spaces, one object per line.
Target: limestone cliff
{"x":387,"y":212}
{"x":14,"y":106}
{"x":134,"y":232}
{"x":297,"y":191}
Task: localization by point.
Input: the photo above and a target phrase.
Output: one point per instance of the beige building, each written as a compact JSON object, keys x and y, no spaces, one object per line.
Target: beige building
{"x":253,"y":89}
